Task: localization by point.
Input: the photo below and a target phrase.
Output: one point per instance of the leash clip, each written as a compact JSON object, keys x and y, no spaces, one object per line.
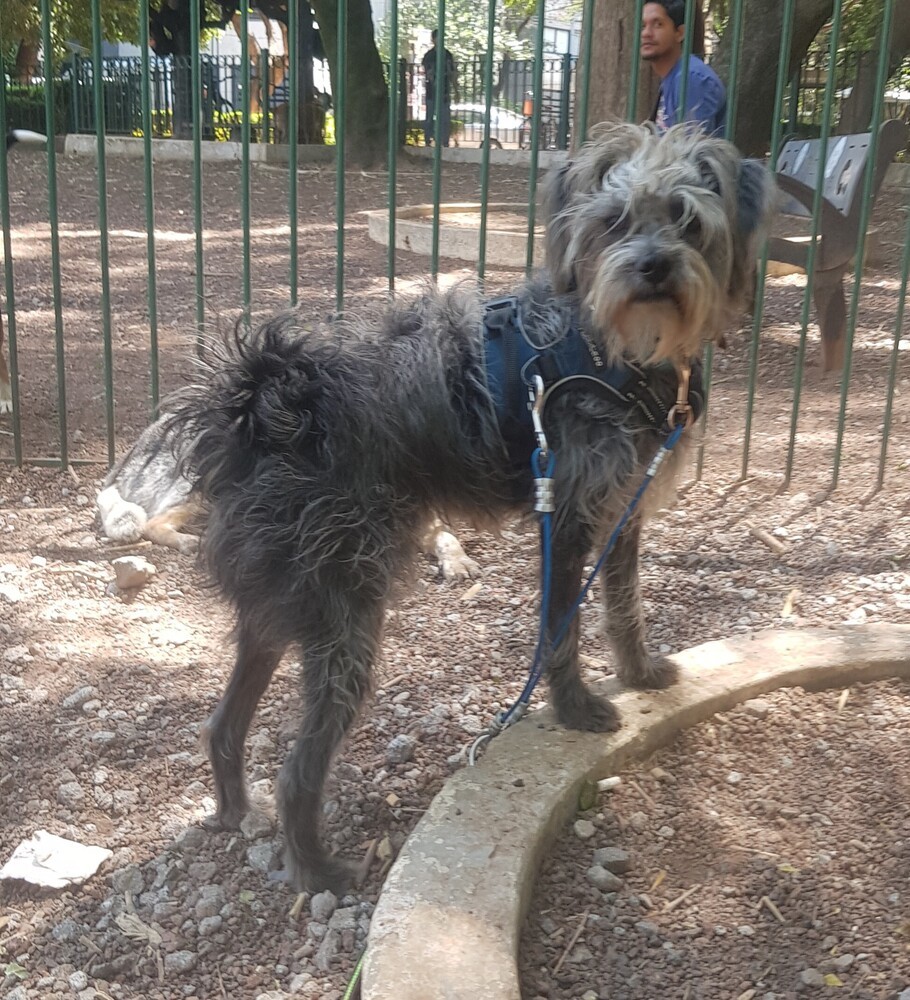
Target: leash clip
{"x":536,"y":398}
{"x":681,"y":412}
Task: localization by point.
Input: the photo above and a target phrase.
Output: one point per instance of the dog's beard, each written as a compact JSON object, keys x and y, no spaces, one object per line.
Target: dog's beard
{"x":647,"y":323}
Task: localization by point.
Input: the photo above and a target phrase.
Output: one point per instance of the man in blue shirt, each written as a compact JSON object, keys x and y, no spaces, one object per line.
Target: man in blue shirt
{"x":662,"y":35}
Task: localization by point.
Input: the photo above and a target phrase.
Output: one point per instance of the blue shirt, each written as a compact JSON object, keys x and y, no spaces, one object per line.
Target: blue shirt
{"x":706,"y":99}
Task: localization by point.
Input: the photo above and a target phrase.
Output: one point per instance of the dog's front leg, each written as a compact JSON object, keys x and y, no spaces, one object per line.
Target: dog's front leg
{"x":576,"y":705}
{"x":625,"y":625}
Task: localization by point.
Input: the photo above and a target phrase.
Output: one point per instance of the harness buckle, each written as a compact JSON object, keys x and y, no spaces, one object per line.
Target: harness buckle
{"x":681,"y":413}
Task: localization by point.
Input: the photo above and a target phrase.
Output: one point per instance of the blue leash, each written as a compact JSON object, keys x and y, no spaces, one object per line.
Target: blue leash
{"x":543,"y":463}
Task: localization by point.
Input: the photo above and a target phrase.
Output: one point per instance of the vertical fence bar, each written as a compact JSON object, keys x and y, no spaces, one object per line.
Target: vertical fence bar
{"x":436,"y":126}
{"x":485,"y":152}
{"x":293,"y":78}
{"x":587,"y":41}
{"x":812,"y":250}
{"x":535,"y":132}
{"x":50,"y":130}
{"x":895,"y":355}
{"x":146,"y":83}
{"x":864,"y":217}
{"x":8,"y":272}
{"x":736,"y":27}
{"x":338,"y":102}
{"x":635,"y":74}
{"x":786,"y":41}
{"x":265,"y":68}
{"x":686,"y":55}
{"x":197,"y":171}
{"x":245,"y":127}
{"x":393,"y":139}
{"x":98,"y":84}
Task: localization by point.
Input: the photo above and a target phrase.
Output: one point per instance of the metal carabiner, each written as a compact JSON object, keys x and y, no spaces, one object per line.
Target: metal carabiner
{"x":681,"y":411}
{"x":536,"y":397}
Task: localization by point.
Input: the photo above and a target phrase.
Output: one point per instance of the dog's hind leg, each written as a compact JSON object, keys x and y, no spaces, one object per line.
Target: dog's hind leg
{"x":164,"y":529}
{"x":625,"y":626}
{"x":337,"y":670}
{"x":225,"y":732}
{"x":576,"y":705}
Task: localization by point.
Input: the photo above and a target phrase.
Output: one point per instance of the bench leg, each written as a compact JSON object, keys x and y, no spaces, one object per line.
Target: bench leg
{"x":830,"y":304}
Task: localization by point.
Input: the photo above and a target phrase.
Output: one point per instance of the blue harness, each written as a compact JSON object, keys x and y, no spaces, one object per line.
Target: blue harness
{"x":512,"y":360}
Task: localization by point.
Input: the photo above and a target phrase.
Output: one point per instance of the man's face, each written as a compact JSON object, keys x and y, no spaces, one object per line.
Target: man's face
{"x":660,"y":38}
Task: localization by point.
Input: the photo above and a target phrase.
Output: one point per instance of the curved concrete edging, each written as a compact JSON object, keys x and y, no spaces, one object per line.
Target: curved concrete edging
{"x":448,"y":922}
{"x":414,"y":232}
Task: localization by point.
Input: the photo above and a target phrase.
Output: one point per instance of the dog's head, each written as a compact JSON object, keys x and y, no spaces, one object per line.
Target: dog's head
{"x":657,"y":234}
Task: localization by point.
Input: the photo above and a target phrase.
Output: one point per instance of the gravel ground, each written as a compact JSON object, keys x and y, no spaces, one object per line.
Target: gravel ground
{"x":102,"y":694}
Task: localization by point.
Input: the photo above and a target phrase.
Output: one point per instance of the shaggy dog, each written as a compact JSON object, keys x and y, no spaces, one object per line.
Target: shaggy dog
{"x":320,"y":456}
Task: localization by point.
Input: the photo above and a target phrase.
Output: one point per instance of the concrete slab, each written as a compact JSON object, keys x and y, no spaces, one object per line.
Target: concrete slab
{"x":448,"y":923}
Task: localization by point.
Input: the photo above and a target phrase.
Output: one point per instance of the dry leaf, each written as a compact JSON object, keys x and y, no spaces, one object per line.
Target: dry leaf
{"x":789,"y":603}
{"x":393,"y":800}
{"x":384,"y":851}
{"x":471,"y":591}
{"x":832,"y":980}
{"x":137,"y":930}
{"x":788,"y":869}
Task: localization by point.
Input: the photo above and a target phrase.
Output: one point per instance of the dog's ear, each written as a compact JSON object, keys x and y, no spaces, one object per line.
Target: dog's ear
{"x":559,"y":229}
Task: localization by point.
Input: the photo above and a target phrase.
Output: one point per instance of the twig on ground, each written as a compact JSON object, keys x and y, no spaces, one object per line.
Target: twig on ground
{"x":681,"y":898}
{"x":367,"y":863}
{"x":766,"y":538}
{"x":770,"y":906}
{"x":572,"y":940}
{"x":753,"y":850}
{"x":294,"y":911}
{"x":643,"y":793}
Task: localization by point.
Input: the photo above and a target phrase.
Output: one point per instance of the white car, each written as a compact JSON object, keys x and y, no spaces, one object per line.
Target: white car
{"x":506,"y":127}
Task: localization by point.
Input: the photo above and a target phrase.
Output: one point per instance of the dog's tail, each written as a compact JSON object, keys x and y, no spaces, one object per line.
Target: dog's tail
{"x":260,"y":396}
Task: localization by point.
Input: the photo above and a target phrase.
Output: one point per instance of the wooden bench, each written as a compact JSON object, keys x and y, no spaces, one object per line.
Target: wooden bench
{"x":841,"y":206}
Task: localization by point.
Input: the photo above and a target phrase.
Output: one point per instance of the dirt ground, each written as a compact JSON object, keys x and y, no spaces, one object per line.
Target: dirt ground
{"x":102,"y":696}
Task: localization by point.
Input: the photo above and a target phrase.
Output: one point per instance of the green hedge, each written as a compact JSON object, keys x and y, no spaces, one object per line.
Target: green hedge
{"x":25,"y":107}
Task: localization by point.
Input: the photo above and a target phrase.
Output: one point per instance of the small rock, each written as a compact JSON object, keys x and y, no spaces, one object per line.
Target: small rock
{"x":746,"y":930}
{"x":734,"y":778}
{"x":639,"y":822}
{"x":190,"y":839}
{"x":261,"y":857}
{"x":256,"y":825}
{"x":757,"y":707}
{"x":829,"y":942}
{"x":811,"y":977}
{"x":590,"y":995}
{"x":10,"y":593}
{"x":78,"y":981}
{"x":603,"y":880}
{"x":584,"y":829}
{"x":401,"y":749}
{"x":322,"y":906}
{"x":180,"y":961}
{"x":210,"y":925}
{"x":128,"y":879}
{"x":132,"y":571}
{"x":78,"y":697}
{"x":666,"y":832}
{"x":70,"y":794}
{"x":614,"y":859}
{"x":17,"y":655}
{"x":328,"y":949}
{"x":843,"y":962}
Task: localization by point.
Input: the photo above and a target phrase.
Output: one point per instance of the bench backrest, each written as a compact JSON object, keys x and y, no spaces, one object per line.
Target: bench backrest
{"x":844,"y":166}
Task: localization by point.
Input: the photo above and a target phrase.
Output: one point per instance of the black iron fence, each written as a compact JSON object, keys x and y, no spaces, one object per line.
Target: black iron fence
{"x":512,"y":101}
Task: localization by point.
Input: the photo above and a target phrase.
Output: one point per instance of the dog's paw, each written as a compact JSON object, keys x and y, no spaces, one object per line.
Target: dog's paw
{"x":656,"y":673}
{"x":224,"y":819}
{"x":328,"y":872}
{"x":454,"y":562}
{"x":587,"y":711}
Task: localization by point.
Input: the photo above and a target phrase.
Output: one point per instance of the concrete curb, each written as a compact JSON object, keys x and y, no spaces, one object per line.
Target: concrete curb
{"x":448,"y":922}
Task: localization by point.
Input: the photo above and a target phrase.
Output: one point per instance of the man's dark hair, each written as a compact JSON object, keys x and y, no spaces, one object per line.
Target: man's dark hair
{"x":433,"y":34}
{"x":676,"y":10}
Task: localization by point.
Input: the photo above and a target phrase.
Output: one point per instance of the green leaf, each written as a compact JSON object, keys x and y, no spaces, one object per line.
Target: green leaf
{"x":587,"y":796}
{"x":15,"y":969}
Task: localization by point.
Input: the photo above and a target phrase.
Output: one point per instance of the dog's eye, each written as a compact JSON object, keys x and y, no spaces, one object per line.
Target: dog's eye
{"x":682,"y":216}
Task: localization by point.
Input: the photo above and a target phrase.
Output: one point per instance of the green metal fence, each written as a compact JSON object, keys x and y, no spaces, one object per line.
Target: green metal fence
{"x":549,"y":97}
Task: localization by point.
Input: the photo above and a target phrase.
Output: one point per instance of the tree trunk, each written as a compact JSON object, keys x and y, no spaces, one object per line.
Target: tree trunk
{"x":857,"y":111}
{"x":367,"y":108}
{"x":763,"y":23}
{"x":26,"y":61}
{"x":616,"y":36}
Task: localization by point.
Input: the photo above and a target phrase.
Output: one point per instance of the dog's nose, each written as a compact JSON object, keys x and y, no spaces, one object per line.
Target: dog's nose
{"x":654,"y":267}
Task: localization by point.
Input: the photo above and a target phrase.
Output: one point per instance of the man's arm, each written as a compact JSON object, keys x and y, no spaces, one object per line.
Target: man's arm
{"x":706,"y":101}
